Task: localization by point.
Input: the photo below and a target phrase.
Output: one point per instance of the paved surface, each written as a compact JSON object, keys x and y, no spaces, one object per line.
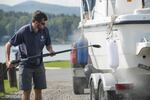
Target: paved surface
{"x":59,"y":82}
{"x":59,"y":74}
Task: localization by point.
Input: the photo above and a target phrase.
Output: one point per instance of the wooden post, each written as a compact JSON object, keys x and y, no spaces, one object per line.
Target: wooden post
{"x":12,"y":77}
{"x":4,"y":70}
{"x":2,"y":89}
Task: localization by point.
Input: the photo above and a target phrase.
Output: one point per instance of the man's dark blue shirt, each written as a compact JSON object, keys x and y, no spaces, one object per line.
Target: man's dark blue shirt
{"x":31,"y":44}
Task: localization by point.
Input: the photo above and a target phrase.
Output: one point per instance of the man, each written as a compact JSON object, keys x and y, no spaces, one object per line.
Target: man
{"x":31,"y":39}
{"x":88,"y":6}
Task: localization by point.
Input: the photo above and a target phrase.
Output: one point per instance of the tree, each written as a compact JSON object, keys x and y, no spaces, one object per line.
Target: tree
{"x":61,"y":26}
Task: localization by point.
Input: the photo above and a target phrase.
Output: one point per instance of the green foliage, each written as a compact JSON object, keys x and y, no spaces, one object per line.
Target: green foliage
{"x":61,"y":27}
{"x":8,"y":90}
{"x":59,"y":64}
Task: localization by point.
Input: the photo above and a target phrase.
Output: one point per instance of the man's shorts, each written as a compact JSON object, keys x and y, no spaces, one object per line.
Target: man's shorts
{"x":29,"y":77}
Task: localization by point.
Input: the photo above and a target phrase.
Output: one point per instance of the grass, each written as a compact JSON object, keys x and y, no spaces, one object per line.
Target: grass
{"x":8,"y":89}
{"x":59,"y":64}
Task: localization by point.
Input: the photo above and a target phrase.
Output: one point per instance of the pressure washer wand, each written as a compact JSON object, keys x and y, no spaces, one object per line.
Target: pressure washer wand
{"x":51,"y":54}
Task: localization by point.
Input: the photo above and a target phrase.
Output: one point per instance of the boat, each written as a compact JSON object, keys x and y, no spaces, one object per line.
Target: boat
{"x":120,"y":69}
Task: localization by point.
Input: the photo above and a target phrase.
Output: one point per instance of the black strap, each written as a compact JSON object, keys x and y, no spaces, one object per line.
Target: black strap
{"x":142,"y":66}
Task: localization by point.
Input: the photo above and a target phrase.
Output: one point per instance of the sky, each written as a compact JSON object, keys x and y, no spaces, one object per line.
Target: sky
{"x":75,"y":3}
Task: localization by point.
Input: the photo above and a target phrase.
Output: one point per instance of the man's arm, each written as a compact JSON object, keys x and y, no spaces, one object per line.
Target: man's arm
{"x":7,"y":54}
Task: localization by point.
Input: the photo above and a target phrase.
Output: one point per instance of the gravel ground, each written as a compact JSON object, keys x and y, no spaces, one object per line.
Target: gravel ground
{"x":62,"y":91}
{"x":59,"y":87}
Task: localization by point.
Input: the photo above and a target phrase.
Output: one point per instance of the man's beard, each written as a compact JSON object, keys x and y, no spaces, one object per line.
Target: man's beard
{"x":40,"y":28}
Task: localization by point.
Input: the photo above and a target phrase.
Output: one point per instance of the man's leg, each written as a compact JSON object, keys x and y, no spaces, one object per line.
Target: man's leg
{"x":39,"y":80}
{"x":26,"y":95}
{"x":38,"y":94}
{"x":25,"y":82}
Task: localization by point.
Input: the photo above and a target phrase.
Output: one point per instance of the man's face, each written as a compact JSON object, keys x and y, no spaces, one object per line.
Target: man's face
{"x":41,"y":25}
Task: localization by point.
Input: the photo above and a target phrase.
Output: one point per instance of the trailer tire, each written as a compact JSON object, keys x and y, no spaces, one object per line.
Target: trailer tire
{"x":107,"y":95}
{"x":78,"y":88}
{"x":93,"y":93}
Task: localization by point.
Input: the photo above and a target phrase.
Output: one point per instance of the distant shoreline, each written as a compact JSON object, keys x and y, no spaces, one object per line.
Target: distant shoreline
{"x":53,"y":43}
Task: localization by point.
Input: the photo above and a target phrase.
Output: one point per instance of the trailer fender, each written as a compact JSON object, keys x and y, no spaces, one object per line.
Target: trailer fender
{"x":95,"y":77}
{"x":109,"y":81}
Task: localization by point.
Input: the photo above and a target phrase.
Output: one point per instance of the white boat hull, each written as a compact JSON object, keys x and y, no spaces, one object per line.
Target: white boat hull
{"x":127,"y":36}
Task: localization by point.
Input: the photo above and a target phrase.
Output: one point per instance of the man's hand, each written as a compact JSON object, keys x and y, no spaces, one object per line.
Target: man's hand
{"x":9,"y":65}
{"x":50,"y":49}
{"x":52,"y":53}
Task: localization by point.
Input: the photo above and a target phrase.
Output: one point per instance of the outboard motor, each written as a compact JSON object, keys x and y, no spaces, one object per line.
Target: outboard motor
{"x":79,"y":58}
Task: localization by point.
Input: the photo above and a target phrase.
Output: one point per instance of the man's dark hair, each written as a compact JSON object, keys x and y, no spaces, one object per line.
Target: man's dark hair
{"x":39,"y":16}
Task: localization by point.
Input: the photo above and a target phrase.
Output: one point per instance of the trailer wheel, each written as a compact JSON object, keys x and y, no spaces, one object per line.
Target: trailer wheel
{"x":93,"y":93}
{"x":107,"y":95}
{"x":78,"y":88}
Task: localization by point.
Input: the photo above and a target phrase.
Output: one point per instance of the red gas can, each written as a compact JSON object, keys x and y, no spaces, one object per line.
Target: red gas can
{"x":73,"y":54}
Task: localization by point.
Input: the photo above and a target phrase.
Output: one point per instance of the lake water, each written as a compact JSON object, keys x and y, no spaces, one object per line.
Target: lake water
{"x":61,"y":56}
